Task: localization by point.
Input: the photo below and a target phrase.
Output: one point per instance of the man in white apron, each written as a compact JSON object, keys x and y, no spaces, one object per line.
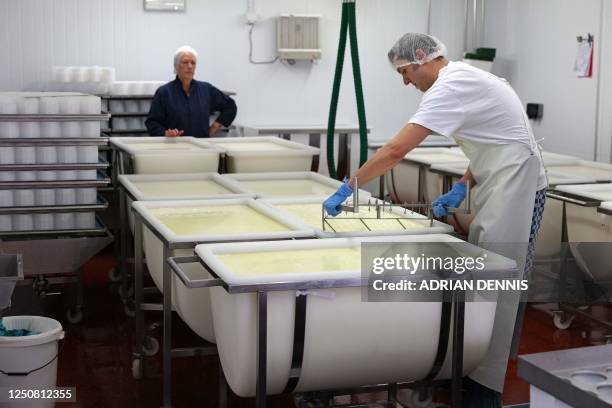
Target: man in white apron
{"x":486,"y":118}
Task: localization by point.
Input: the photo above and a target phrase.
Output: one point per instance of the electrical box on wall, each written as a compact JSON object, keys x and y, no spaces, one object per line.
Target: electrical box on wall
{"x":298,"y":37}
{"x":535,"y":111}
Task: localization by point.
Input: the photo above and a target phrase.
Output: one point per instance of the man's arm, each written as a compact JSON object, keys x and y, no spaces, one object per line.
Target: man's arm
{"x":390,"y":154}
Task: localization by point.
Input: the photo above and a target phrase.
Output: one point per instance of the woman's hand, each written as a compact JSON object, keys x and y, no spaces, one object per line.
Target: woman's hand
{"x":174,"y":132}
{"x":214,"y":128}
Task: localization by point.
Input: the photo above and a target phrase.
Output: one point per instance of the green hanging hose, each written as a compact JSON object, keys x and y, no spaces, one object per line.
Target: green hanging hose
{"x":331,"y":123}
{"x":348,"y":22}
{"x":363,"y":128}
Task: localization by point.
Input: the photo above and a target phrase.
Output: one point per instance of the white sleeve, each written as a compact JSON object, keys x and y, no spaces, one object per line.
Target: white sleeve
{"x":440,"y":111}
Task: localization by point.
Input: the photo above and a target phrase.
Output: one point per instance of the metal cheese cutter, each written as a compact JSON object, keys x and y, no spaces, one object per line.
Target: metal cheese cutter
{"x":379,"y":208}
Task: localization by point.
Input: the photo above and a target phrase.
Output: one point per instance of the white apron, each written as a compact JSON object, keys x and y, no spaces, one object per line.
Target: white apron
{"x":507,"y":180}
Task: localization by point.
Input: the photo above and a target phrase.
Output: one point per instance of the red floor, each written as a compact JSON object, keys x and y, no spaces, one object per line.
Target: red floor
{"x":96,"y":357}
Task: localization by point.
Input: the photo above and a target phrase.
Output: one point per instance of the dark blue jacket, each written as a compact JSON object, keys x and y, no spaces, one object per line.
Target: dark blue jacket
{"x":173,"y":109}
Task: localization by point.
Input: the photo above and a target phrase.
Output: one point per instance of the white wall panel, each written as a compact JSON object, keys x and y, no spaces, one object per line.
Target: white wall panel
{"x":536,"y":42}
{"x":604,"y":126}
{"x":37,"y":34}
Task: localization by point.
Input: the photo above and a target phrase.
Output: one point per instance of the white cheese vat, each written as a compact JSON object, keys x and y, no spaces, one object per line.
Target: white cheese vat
{"x":265,"y":154}
{"x":585,"y":224}
{"x":160,"y":155}
{"x":377,"y":342}
{"x":405,"y":181}
{"x":192,"y":221}
{"x":183,"y":186}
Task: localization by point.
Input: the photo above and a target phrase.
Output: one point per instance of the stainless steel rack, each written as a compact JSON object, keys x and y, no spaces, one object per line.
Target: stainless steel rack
{"x":56,"y":256}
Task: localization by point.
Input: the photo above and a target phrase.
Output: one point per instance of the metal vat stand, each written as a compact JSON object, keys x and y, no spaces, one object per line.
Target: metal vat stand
{"x":166,"y":307}
{"x":262,"y":289}
{"x":565,"y":314}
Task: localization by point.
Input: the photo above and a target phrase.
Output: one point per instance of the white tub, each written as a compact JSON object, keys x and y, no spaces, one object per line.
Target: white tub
{"x":288,"y":184}
{"x":550,"y":226}
{"x":265,"y":153}
{"x":379,"y":342}
{"x":585,"y":224}
{"x":240,"y":219}
{"x":436,"y":182}
{"x":602,"y":172}
{"x":186,"y":186}
{"x":403,"y":182}
{"x":159,"y":155}
{"x":560,"y":170}
{"x":433,"y":140}
{"x":397,"y":222}
{"x":556,"y":159}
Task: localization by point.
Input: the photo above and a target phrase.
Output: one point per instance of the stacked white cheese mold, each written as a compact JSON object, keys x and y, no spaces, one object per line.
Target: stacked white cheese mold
{"x":132,"y":101}
{"x":88,"y":79}
{"x":15,"y":152}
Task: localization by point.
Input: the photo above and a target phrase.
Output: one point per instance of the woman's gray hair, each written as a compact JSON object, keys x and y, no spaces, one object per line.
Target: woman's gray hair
{"x":179,"y":53}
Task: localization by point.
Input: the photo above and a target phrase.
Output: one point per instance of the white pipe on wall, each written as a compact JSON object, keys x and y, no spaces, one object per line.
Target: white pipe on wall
{"x":465,"y":28}
{"x":429,"y":16}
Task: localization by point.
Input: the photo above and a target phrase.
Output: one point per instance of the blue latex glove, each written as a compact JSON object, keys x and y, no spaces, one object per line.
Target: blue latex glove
{"x":453,"y":198}
{"x":333,"y":203}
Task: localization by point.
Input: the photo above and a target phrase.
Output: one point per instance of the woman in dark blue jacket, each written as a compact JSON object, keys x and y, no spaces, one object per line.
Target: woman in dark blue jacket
{"x":183,"y":106}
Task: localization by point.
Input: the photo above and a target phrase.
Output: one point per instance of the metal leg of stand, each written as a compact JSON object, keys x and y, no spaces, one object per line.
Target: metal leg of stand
{"x":349,"y":139}
{"x":563,"y":256}
{"x":167,"y":353}
{"x":421,"y":186}
{"x":138,"y":288}
{"x":262,"y":348}
{"x":381,"y":187}
{"x":447,"y":183}
{"x":123,"y":240}
{"x":457,"y":363}
{"x":80,"y":287}
{"x":392,"y":393}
